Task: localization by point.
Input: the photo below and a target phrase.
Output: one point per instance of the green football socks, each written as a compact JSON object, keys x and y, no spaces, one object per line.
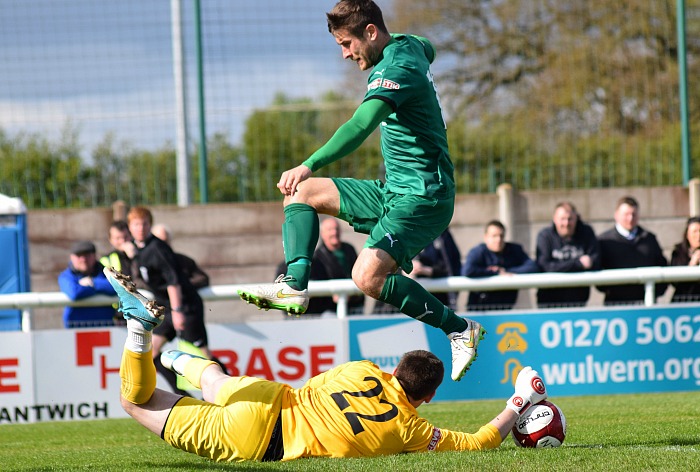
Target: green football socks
{"x":299,"y":236}
{"x":413,"y":300}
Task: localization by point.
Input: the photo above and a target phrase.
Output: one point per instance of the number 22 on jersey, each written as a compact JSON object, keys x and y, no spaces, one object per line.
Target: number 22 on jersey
{"x":353,"y":417}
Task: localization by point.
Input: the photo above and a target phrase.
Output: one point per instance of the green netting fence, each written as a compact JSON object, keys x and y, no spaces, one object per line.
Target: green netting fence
{"x":540,"y":94}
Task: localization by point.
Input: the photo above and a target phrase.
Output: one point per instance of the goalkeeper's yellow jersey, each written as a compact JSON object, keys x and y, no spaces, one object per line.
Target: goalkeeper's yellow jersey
{"x":357,"y":410}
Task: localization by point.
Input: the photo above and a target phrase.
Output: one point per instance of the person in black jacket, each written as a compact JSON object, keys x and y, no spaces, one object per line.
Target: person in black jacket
{"x":157,"y":267}
{"x":439,"y":259}
{"x":687,"y":253}
{"x":333,"y":259}
{"x":496,"y":257}
{"x":567,"y":245}
{"x":628,"y":245}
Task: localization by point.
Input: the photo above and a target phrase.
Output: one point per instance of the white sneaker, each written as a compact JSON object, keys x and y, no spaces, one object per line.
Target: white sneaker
{"x":278,"y":295}
{"x":464,"y":348}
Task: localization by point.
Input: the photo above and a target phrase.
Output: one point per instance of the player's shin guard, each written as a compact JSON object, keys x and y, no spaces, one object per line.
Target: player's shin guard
{"x":300,"y":232}
{"x":138,"y":376}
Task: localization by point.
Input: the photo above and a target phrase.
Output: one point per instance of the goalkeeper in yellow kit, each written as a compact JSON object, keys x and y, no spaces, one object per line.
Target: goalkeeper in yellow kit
{"x":353,"y":410}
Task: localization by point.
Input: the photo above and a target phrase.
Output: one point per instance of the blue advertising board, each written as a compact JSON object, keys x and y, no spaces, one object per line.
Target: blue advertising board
{"x":577,"y":352}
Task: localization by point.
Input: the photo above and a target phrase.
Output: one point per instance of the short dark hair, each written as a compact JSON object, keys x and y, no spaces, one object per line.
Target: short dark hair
{"x":354,"y":16}
{"x":120,"y":225}
{"x":495,"y":223}
{"x":420,"y":373}
{"x":627,"y":200}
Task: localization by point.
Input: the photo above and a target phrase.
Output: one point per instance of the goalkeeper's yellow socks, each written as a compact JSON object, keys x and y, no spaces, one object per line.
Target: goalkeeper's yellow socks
{"x":138,"y":376}
{"x":187,"y":365}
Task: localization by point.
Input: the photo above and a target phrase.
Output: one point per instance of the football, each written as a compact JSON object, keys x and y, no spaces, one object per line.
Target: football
{"x":541,"y":425}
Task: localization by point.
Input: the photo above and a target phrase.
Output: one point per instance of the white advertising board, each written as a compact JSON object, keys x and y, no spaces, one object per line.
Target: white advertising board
{"x":57,"y":375}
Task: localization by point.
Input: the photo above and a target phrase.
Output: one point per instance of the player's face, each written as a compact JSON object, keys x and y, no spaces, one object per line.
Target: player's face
{"x":140,"y":229}
{"x":330,"y":234}
{"x":565,"y":222}
{"x":83,"y":262}
{"x":627,"y":216}
{"x":495,"y":239}
{"x":361,"y":50}
{"x":693,"y":235}
{"x":117,"y":238}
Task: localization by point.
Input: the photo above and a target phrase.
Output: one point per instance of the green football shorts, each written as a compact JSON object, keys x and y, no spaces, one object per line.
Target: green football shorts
{"x":401,"y":225}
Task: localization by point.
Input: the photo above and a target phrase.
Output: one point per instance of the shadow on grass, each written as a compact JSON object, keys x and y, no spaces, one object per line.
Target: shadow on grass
{"x":208,"y":465}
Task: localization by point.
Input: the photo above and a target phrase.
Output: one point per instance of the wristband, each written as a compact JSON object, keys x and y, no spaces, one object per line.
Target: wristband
{"x":517,"y":403}
{"x":177,"y":308}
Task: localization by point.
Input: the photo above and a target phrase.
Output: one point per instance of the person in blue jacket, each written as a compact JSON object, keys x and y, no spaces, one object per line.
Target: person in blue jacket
{"x":496,"y":257}
{"x":81,"y":279}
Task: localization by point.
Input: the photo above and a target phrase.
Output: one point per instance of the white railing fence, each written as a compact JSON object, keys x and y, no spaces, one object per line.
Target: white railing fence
{"x":647,"y":276}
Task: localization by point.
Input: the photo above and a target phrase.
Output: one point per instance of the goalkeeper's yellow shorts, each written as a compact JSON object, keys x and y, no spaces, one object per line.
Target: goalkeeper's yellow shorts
{"x":238,"y":426}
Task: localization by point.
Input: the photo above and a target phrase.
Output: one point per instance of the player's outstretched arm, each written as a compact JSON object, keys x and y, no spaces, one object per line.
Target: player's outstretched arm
{"x":529,"y":389}
{"x":351,"y":134}
{"x":504,"y":422}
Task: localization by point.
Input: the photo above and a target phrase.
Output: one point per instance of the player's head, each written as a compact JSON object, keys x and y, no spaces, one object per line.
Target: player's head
{"x":161,"y":232}
{"x":330,"y":233}
{"x":359,"y":29}
{"x":691,"y":234}
{"x":565,"y":219}
{"x":140,"y":220}
{"x":627,"y":213}
{"x":119,"y":234}
{"x":82,"y":257}
{"x":420,"y":373}
{"x":495,"y":236}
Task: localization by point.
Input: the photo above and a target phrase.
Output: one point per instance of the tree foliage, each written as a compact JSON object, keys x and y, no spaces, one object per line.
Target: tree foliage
{"x":576,"y":67}
{"x":559,"y":94}
{"x":283,"y":135}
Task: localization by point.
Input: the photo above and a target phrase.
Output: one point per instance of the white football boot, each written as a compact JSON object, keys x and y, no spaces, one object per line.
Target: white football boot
{"x":464,"y":348}
{"x":278,"y":295}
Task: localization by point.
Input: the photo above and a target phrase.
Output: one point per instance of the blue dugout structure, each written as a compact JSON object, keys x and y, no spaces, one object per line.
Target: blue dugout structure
{"x":14,"y":257}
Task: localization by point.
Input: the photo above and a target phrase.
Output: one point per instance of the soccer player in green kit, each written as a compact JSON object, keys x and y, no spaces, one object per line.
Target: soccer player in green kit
{"x":402,"y":215}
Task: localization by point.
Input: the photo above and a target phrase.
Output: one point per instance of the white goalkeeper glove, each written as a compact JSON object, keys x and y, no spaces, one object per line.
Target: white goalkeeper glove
{"x":529,"y":389}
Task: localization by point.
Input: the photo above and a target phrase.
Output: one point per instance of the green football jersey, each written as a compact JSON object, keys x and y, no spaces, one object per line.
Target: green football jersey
{"x":413,"y":137}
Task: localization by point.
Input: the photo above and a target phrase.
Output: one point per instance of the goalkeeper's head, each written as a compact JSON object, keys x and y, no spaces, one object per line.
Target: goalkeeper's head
{"x":420,"y":373}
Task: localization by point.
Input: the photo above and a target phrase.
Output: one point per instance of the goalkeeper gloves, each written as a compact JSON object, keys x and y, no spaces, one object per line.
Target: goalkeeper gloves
{"x":529,"y":389}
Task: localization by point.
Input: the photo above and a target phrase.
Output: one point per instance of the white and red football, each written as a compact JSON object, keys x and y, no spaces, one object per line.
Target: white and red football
{"x":541,"y":425}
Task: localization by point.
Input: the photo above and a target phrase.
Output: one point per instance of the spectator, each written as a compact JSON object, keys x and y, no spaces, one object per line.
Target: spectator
{"x":567,"y":245}
{"x":687,"y":253}
{"x":496,"y":257}
{"x":333,"y":259}
{"x":198,"y":278}
{"x":124,"y":249}
{"x":184,"y":310}
{"x":83,"y":278}
{"x":440,"y":258}
{"x":628,"y":245}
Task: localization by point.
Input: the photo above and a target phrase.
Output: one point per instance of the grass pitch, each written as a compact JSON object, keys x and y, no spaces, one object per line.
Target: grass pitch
{"x":620,"y":433}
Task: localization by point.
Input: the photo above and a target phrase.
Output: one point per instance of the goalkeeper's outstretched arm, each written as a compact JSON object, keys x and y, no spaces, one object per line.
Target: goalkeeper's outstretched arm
{"x":529,"y":389}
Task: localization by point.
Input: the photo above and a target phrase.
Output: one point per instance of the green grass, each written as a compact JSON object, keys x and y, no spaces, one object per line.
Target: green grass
{"x":620,"y":433}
